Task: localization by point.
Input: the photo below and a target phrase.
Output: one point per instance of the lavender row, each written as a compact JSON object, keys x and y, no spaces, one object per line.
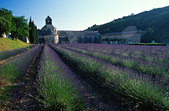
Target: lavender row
{"x":6,"y":54}
{"x":57,"y":84}
{"x":152,"y":55}
{"x":119,"y":49}
{"x":154,"y":69}
{"x":23,"y":61}
{"x":86,"y":89}
{"x":163,"y":82}
{"x":144,"y":53}
{"x":66,"y":72}
{"x":136,"y":90}
{"x":14,"y":69}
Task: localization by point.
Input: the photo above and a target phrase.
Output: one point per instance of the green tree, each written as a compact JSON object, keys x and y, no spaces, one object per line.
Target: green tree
{"x":30,"y":31}
{"x":36,"y":34}
{"x":33,"y":36}
{"x":20,"y":27}
{"x":149,"y":35}
{"x":5,"y":21}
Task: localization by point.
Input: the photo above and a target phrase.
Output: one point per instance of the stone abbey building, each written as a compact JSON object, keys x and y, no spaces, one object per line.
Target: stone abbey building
{"x":49,"y":34}
{"x":122,"y":37}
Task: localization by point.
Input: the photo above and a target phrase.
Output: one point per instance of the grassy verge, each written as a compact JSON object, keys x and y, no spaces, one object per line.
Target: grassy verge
{"x":136,"y":91}
{"x":8,"y":44}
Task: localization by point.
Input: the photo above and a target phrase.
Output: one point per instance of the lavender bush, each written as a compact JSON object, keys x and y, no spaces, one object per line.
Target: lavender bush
{"x":137,"y":91}
{"x":155,"y":63}
{"x":18,"y":66}
{"x":14,"y":70}
{"x":56,"y":85}
{"x":6,"y":54}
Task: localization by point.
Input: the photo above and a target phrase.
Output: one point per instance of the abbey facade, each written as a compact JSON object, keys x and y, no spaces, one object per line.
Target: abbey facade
{"x":49,"y":34}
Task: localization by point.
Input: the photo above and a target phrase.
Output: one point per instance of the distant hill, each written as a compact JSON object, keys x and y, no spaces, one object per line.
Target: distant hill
{"x":155,"y":22}
{"x":8,"y":44}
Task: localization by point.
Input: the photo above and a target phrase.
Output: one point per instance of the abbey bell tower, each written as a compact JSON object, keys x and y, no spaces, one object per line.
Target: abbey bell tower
{"x":48,"y":20}
{"x":48,"y":33}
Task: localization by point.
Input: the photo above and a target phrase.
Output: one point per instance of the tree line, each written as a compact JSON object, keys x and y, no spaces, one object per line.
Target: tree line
{"x":155,"y":23}
{"x":17,"y":26}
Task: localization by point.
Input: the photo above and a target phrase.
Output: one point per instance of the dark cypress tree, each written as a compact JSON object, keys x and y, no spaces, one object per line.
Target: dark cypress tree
{"x":33,"y":32}
{"x":36,"y":34}
{"x":30,"y":31}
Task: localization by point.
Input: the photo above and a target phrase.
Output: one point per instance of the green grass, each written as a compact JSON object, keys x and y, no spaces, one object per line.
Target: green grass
{"x":58,"y":93}
{"x":9,"y":44}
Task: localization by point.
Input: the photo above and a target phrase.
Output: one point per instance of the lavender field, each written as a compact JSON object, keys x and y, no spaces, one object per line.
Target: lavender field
{"x":86,"y":77}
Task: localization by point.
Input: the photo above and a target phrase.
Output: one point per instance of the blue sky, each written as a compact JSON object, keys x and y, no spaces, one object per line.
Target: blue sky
{"x":78,"y":14}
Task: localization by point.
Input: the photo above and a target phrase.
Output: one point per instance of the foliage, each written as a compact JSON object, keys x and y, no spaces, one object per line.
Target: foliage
{"x":154,"y":22}
{"x":150,"y":44}
{"x":33,"y":35}
{"x":19,"y":27}
{"x":107,"y":40}
{"x":112,"y":40}
{"x":5,"y":21}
